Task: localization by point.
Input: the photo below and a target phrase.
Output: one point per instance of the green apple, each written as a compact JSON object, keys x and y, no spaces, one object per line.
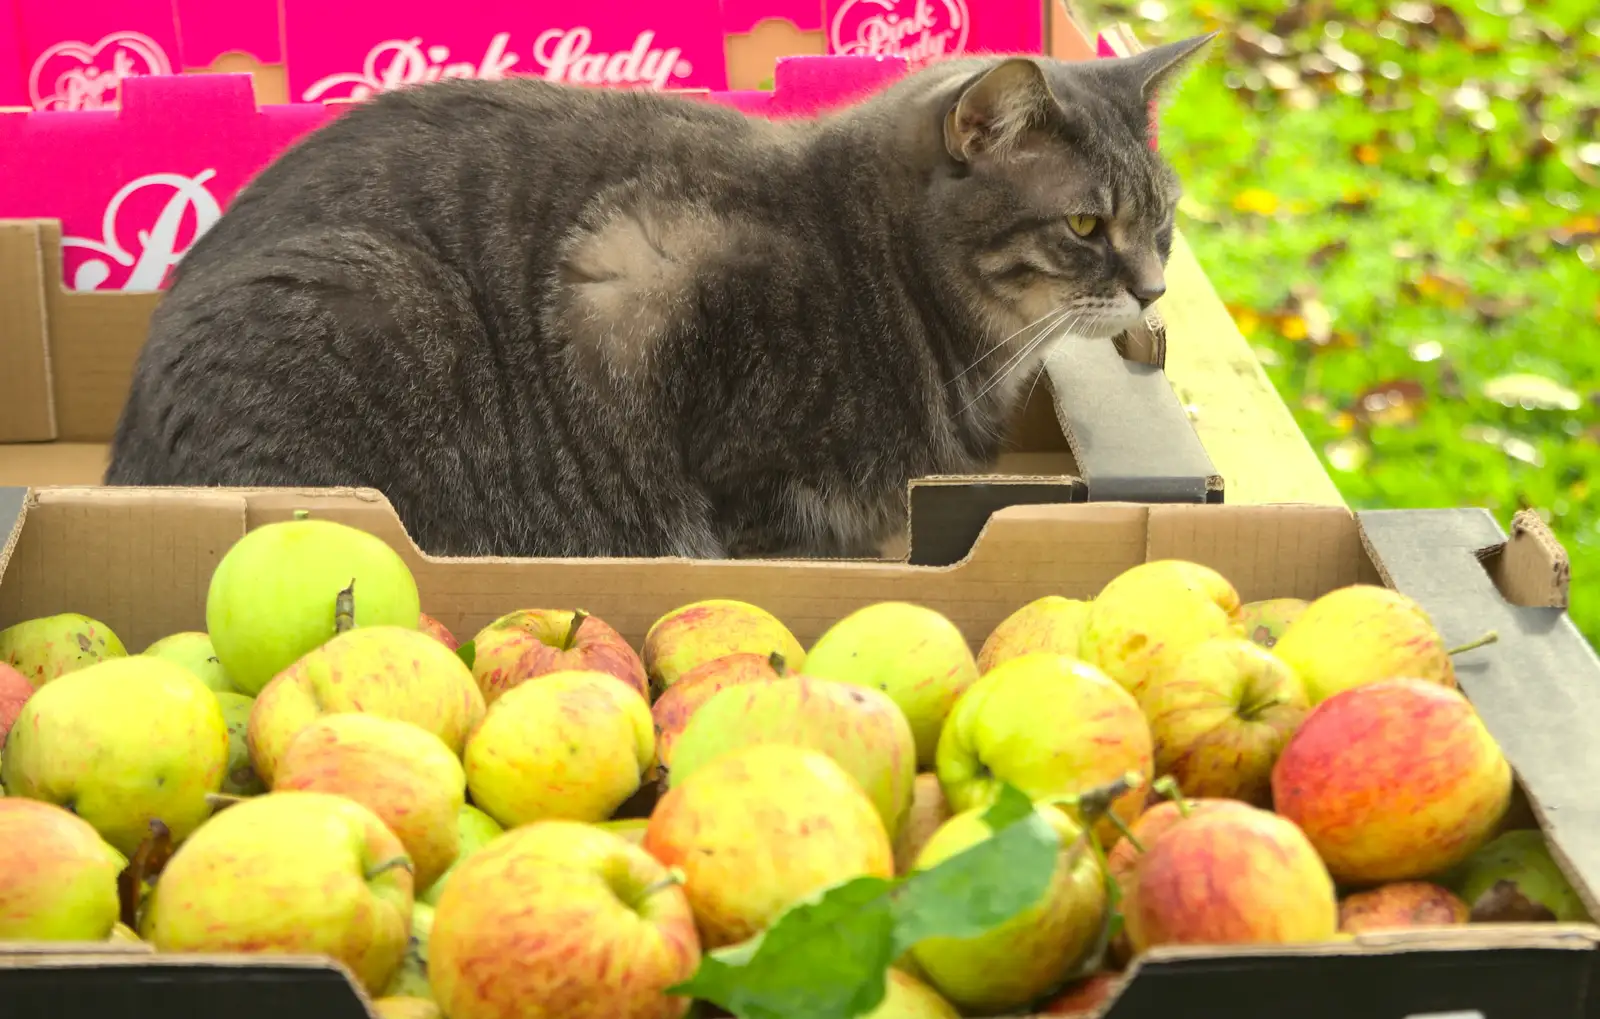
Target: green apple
{"x":122,"y":743}
{"x":1009,"y":966}
{"x":412,"y":979}
{"x":859,"y":727}
{"x":274,"y":595}
{"x":912,"y":653}
{"x":301,"y":873}
{"x":402,"y":773}
{"x":240,"y":779}
{"x":574,"y":745}
{"x":630,"y":828}
{"x":474,"y":830}
{"x":1514,"y":878}
{"x":906,"y":997}
{"x":698,"y":632}
{"x":1149,"y":615}
{"x":1052,"y":726}
{"x":50,"y":646}
{"x":1051,"y":623}
{"x":678,"y":703}
{"x":391,"y":671}
{"x":192,"y":649}
{"x":58,"y":879}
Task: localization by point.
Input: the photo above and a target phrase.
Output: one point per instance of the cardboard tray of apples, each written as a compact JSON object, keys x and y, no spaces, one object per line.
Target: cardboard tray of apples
{"x":546,"y":821}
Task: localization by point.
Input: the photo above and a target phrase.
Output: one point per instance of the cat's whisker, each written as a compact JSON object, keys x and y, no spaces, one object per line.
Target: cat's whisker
{"x":1047,"y":317}
{"x":1013,"y":362}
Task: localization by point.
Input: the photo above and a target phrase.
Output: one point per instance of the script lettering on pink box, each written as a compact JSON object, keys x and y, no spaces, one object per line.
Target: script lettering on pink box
{"x":76,"y":55}
{"x":361,"y":47}
{"x":133,"y":188}
{"x":927,"y":30}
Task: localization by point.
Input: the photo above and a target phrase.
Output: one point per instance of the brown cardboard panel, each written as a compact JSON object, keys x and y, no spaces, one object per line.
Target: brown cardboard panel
{"x":1531,"y":568}
{"x":52,"y":463}
{"x":1266,"y":551}
{"x":27,"y":409}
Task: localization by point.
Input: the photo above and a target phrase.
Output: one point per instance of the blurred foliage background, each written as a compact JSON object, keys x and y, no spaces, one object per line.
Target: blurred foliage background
{"x":1400,"y":204}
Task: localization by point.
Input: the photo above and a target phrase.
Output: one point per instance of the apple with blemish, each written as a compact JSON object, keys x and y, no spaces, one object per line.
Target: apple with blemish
{"x":474,"y":830}
{"x":1392,"y":781}
{"x":678,"y":703}
{"x":437,"y":630}
{"x":913,"y":653}
{"x":761,"y":828}
{"x":1400,"y":905}
{"x":1264,"y":622}
{"x":1150,"y":615}
{"x":1514,"y":878}
{"x":1361,"y":634}
{"x":530,"y":643}
{"x":48,"y":647}
{"x":240,"y":779}
{"x":58,"y":878}
{"x":192,"y":649}
{"x":562,"y":920}
{"x":121,"y":743}
{"x":1051,"y":623}
{"x":302,"y":873}
{"x":705,"y":630}
{"x":574,"y":745}
{"x":392,"y":671}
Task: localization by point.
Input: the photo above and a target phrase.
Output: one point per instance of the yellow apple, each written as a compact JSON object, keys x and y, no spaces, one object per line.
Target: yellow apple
{"x":51,"y":646}
{"x":700,"y":631}
{"x":58,"y":879}
{"x":1363,"y":634}
{"x":1051,"y":623}
{"x":474,"y":830}
{"x":192,"y":649}
{"x":1148,"y":616}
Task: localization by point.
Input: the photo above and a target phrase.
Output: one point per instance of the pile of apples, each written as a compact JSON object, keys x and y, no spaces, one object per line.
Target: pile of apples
{"x":546,"y":821}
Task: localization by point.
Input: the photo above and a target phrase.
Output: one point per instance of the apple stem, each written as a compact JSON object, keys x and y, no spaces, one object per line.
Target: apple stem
{"x":1491,"y":637}
{"x":1252,"y":710}
{"x":302,"y":514}
{"x":344,"y":609}
{"x":578,"y":616}
{"x":222,"y":801}
{"x":1167,"y":786}
{"x":675,"y":876}
{"x":390,"y":864}
{"x":1127,"y":832}
{"x":779,"y":664}
{"x":1095,"y":803}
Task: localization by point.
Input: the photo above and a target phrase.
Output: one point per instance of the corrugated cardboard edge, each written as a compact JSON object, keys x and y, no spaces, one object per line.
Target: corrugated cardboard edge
{"x":27,"y":384}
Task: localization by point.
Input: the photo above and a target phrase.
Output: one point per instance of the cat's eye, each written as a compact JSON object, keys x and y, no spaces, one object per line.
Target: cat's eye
{"x":1083,"y":226}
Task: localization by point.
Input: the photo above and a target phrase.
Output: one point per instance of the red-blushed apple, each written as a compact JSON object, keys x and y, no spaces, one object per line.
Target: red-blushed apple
{"x":1233,"y":875}
{"x":673,"y":709}
{"x":51,"y":646}
{"x":701,"y":631}
{"x":1264,"y":621}
{"x":1087,"y":998}
{"x":1220,"y":716}
{"x":391,"y":671}
{"x":1402,"y":904}
{"x":1393,"y":781}
{"x":1052,"y":726}
{"x":760,"y":828}
{"x":1363,"y":634}
{"x":1149,"y":615}
{"x":928,"y":811}
{"x":913,"y":653}
{"x":532,"y":643}
{"x":401,"y":772}
{"x":906,"y":997}
{"x":14,"y":690}
{"x":301,"y":873}
{"x":562,"y":920}
{"x":1051,"y":623}
{"x":573,"y":746}
{"x":437,"y":630}
{"x":58,"y":879}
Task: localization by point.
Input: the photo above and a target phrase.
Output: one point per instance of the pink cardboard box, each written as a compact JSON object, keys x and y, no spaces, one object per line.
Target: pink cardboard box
{"x":76,"y":55}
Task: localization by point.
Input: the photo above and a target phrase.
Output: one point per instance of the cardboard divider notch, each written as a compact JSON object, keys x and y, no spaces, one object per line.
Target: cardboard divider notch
{"x":27,"y":403}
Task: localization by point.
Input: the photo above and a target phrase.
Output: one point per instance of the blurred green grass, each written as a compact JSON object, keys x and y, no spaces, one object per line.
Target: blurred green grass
{"x":1400,"y":204}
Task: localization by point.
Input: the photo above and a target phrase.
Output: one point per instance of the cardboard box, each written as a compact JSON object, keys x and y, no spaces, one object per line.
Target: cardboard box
{"x":141,"y":560}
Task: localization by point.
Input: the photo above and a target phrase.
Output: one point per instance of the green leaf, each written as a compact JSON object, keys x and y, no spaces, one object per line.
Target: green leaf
{"x":468,"y":652}
{"x":828,"y":956}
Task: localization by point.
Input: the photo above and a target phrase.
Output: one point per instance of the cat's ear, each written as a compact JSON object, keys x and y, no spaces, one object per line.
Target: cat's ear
{"x":1159,"y":70}
{"x":995,"y":112}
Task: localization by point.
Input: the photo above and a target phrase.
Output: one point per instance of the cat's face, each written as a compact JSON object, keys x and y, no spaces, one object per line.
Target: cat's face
{"x":1049,"y":198}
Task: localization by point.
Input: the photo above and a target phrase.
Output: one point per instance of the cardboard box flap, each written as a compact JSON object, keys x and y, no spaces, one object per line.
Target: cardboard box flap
{"x":1435,"y":556}
{"x":1531,"y":568}
{"x":27,"y":403}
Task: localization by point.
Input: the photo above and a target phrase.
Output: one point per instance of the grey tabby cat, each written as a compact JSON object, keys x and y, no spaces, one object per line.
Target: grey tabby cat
{"x":553,"y":321}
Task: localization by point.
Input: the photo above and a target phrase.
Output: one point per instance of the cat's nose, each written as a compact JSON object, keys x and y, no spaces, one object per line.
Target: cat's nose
{"x":1147,"y":293}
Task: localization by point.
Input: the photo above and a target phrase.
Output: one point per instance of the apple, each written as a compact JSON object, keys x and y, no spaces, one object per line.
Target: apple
{"x":906,"y":997}
{"x":1220,"y":716}
{"x":399,"y":1006}
{"x":192,"y":649}
{"x":58,"y":879}
{"x":474,"y":830}
{"x":1052,"y":726}
{"x":274,"y":596}
{"x":1202,"y":579}
{"x":1234,"y":875}
{"x":14,"y":692}
{"x":51,"y":646}
{"x":760,"y":828}
{"x":673,"y":709}
{"x":574,"y":745}
{"x":240,"y":779}
{"x":1363,"y":634}
{"x":701,"y":631}
{"x":929,"y":810}
{"x":1265,"y":621}
{"x":302,"y":873}
{"x":1393,"y":781}
{"x":561,"y":919}
{"x":1051,"y":623}
{"x":1086,"y":998}
{"x":122,"y":743}
{"x":411,"y":980}
{"x":1399,"y":905}
{"x":532,"y":643}
{"x":630,"y":828}
{"x":859,"y":727}
{"x":1149,"y":615}
{"x":392,"y":671}
{"x":123,"y":934}
{"x":915,"y":655}
{"x":1514,"y":878}
{"x":1151,"y":825}
{"x":402,"y":773}
{"x":437,"y":630}
{"x":1024,"y":957}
